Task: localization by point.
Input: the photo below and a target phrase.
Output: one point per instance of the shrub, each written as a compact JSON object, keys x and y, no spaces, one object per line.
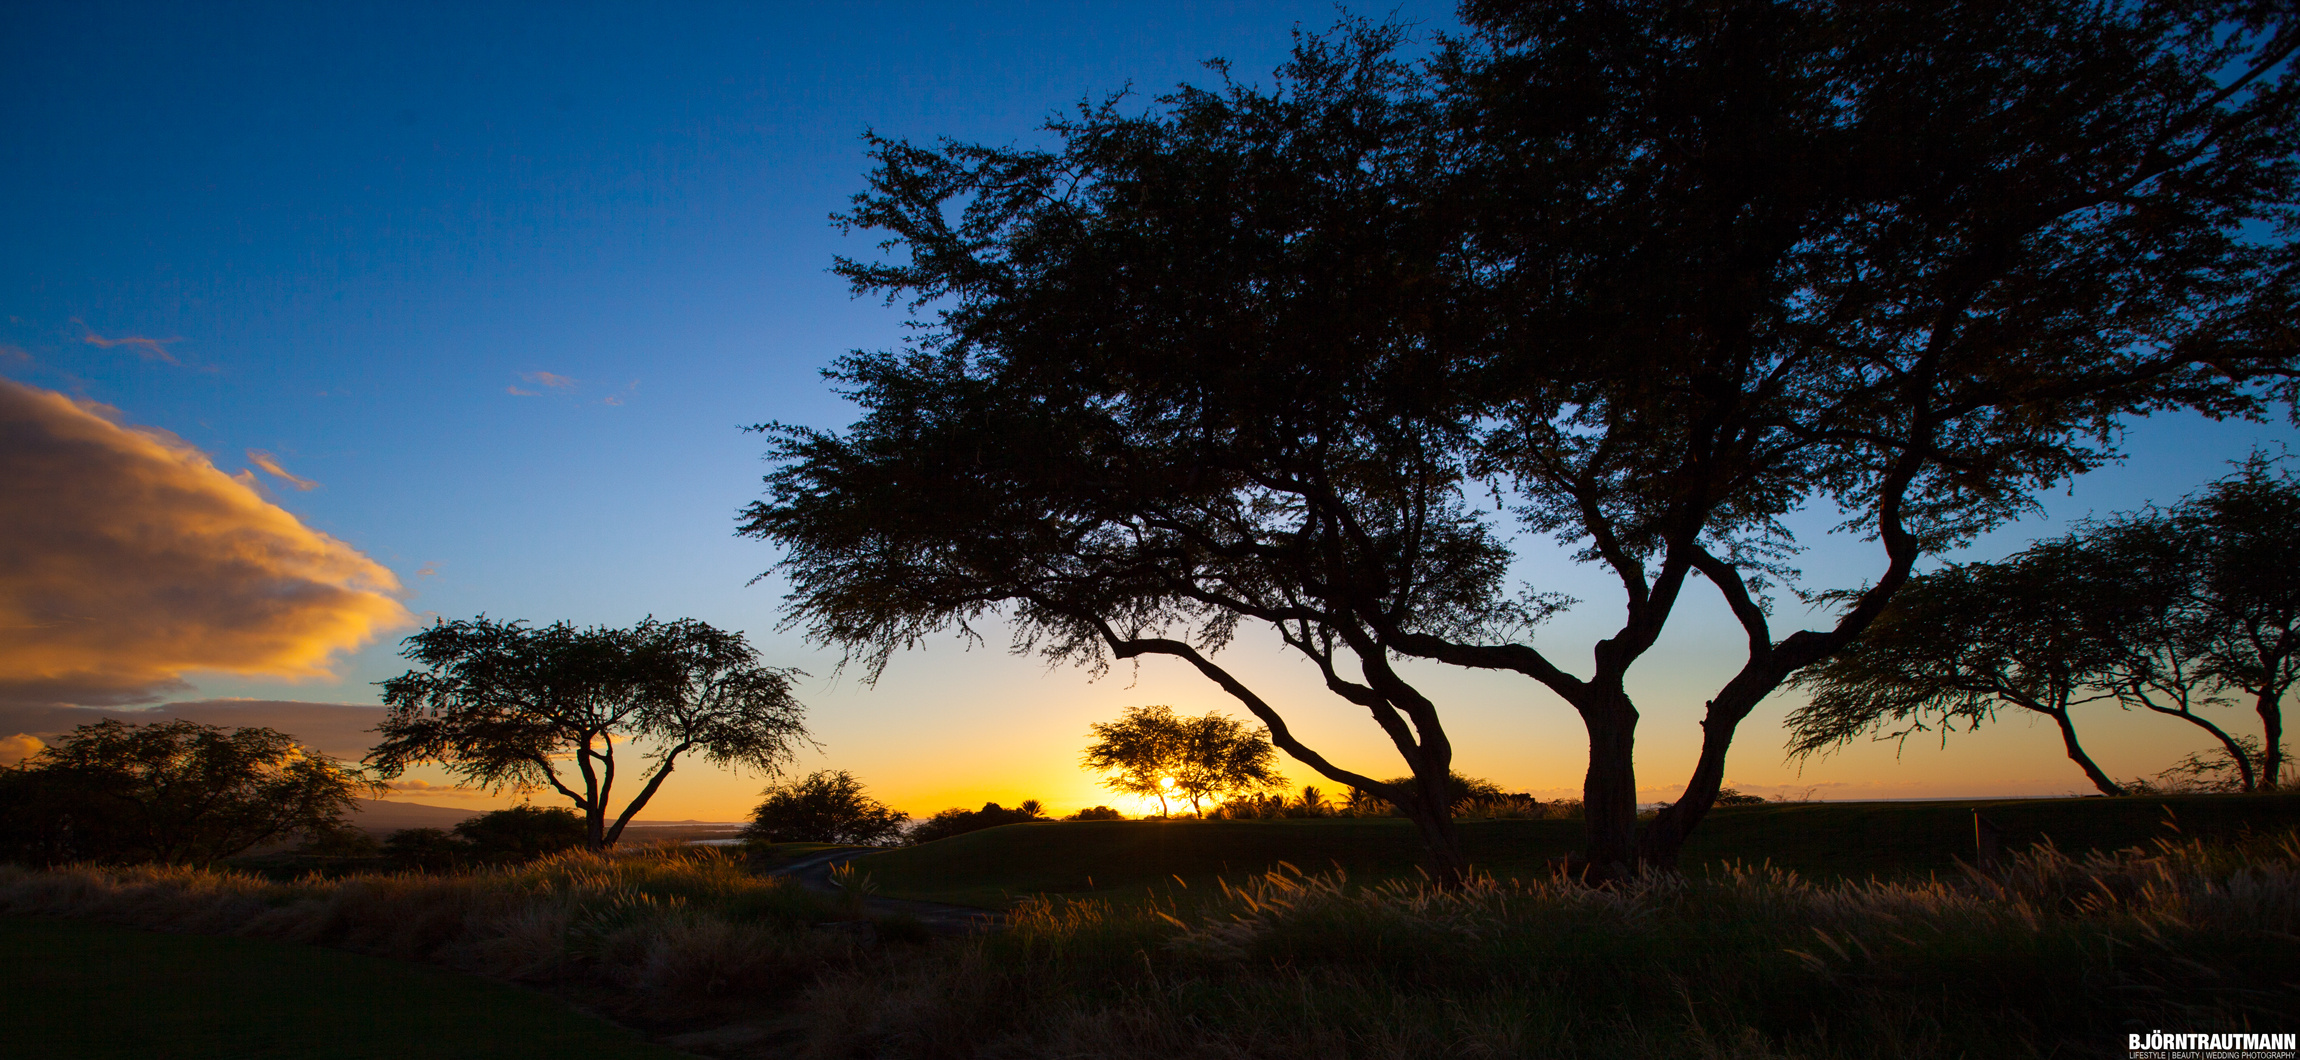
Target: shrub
{"x":521,"y":833}
{"x":955,"y":821}
{"x":1096,"y":813}
{"x":828,"y":806}
{"x":426,"y":849}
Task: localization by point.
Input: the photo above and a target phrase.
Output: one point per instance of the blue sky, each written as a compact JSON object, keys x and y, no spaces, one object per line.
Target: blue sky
{"x":505,"y":282}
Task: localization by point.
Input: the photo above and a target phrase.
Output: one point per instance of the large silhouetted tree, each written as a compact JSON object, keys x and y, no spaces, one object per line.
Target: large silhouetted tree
{"x":509,"y":705}
{"x":1644,"y":278}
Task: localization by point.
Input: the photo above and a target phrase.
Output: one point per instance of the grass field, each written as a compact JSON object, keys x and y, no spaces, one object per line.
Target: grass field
{"x":2052,"y":953}
{"x":1821,"y":840}
{"x":87,"y":991}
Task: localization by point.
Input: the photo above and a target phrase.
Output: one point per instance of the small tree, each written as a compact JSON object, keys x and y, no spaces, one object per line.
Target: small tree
{"x":176,"y":791}
{"x":506,"y":705}
{"x":2165,"y":610}
{"x":1152,"y":752}
{"x":827,"y":806}
{"x":1957,"y":645}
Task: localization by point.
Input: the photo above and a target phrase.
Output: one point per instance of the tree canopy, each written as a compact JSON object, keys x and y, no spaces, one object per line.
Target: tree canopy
{"x":509,"y":705}
{"x":1152,"y":752}
{"x":2170,"y":610}
{"x":175,"y":791}
{"x":826,"y":806}
{"x":1643,"y":279}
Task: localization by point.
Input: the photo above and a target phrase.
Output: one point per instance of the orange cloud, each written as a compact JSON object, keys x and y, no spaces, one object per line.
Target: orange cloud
{"x":271,"y":466}
{"x":341,"y":730}
{"x":147,"y":348}
{"x":14,"y":749}
{"x":550,"y":379}
{"x":127,"y":559}
{"x":428,"y":789}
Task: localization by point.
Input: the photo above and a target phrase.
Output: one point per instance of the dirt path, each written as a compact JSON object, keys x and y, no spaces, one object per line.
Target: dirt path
{"x":813,"y":872}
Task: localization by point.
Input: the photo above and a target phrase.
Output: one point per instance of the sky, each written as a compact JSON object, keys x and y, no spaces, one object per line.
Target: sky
{"x":321,"y":321}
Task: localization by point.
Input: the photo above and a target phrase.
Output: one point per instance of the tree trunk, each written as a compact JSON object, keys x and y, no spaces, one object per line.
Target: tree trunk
{"x":1431,"y":810}
{"x":1609,"y":791}
{"x":2272,"y":735}
{"x":2076,"y":754}
{"x":1659,"y":842}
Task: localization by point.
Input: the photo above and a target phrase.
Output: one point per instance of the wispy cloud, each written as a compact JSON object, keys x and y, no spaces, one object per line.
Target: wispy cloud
{"x":545,"y":380}
{"x":135,"y":560}
{"x":428,"y":570}
{"x":271,"y":466}
{"x":150,"y":349}
{"x":14,"y":354}
{"x":423,"y":787}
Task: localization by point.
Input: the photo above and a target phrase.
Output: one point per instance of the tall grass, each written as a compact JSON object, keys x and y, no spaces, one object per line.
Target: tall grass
{"x":2047,"y":955}
{"x":2044,"y":955}
{"x":665,"y":929}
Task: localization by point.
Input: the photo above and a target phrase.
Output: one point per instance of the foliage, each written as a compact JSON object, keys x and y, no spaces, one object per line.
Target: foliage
{"x":176,"y":791}
{"x":1152,"y":752}
{"x":1096,"y":813}
{"x":1956,"y":644}
{"x":2229,"y":625}
{"x":1317,"y":357}
{"x":827,"y":806}
{"x":2164,"y":610}
{"x":956,"y":821}
{"x":508,"y":705}
{"x":521,"y":833}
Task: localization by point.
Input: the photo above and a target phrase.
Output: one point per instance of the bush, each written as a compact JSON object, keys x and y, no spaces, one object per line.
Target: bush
{"x":426,"y":849}
{"x":955,"y":821}
{"x":824,"y":807}
{"x":521,"y":833}
{"x":1096,"y":813}
{"x":1460,"y":791}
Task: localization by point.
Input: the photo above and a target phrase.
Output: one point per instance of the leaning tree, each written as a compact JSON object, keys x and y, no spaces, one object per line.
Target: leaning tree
{"x":509,"y":705}
{"x":1646,"y":279}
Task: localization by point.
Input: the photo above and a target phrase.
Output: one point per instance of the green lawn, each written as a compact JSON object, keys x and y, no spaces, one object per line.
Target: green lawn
{"x":88,"y":991}
{"x":1130,"y":859}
